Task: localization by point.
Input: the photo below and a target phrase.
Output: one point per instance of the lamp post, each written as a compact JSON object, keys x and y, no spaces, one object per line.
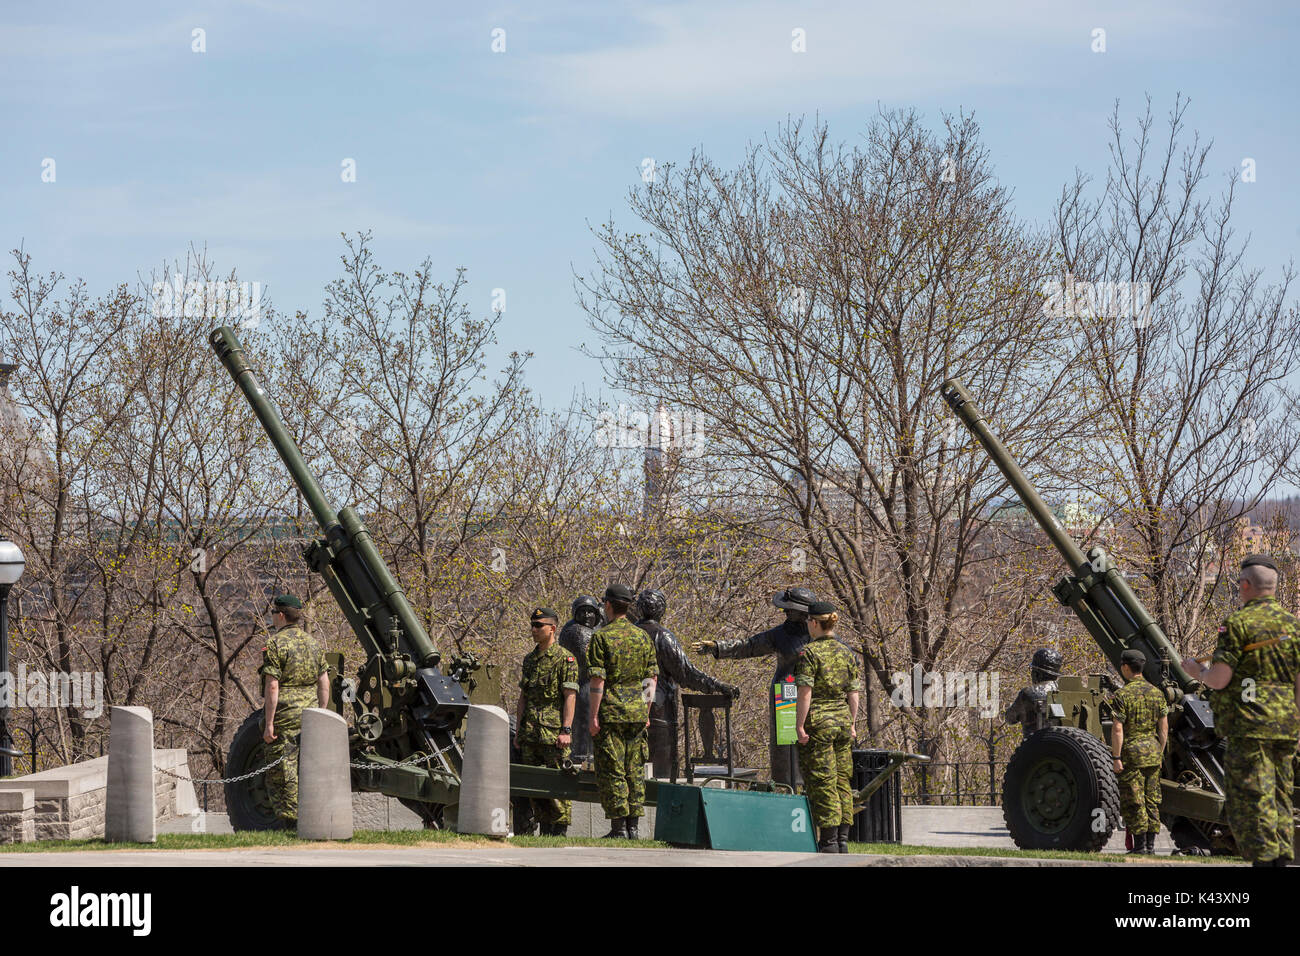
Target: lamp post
{"x":11,"y":569}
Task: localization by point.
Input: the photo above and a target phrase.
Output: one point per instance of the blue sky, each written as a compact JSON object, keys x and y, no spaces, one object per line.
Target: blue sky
{"x":499,"y":161}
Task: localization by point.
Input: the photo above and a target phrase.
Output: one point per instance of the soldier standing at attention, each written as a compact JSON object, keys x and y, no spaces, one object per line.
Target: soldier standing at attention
{"x":548,"y":688}
{"x":1256,"y":667}
{"x":826,"y":708}
{"x":294,"y":676}
{"x":622,"y":667}
{"x":1137,"y":741}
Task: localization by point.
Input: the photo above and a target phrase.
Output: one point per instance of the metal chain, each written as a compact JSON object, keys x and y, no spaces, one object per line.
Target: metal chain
{"x":240,"y":778}
{"x":410,"y":761}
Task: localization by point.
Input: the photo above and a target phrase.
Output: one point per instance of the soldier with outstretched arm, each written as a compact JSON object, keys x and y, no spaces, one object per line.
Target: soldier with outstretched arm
{"x":784,"y":641}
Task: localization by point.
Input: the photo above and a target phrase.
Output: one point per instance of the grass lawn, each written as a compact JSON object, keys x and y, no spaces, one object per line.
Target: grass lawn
{"x":276,"y":838}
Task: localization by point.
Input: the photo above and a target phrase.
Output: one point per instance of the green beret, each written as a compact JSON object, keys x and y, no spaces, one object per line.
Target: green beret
{"x":545,"y":614}
{"x":287,"y":600}
{"x":820,"y":608}
{"x":620,"y":592}
{"x":1133,"y":658}
{"x":1263,"y":560}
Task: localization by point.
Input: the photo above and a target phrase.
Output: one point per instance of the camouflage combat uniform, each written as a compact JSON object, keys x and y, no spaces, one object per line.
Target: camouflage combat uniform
{"x":1261,"y":726}
{"x":826,"y":760}
{"x":622,"y":654}
{"x":1139,"y":706}
{"x":292,"y":657}
{"x":546,"y":675}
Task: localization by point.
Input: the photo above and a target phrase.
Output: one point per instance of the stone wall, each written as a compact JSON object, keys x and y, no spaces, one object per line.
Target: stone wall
{"x":67,"y":803}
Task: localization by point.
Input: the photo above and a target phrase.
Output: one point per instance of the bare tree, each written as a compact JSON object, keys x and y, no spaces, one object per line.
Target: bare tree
{"x":807,"y":306}
{"x":1193,"y":391}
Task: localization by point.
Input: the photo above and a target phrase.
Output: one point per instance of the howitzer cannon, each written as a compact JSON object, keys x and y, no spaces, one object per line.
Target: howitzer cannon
{"x":406,"y":709}
{"x":1059,"y":791}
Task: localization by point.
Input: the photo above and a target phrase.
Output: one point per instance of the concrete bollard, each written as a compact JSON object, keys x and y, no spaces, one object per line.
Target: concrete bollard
{"x":485,"y":773}
{"x":129,"y":803}
{"x":324,"y":780}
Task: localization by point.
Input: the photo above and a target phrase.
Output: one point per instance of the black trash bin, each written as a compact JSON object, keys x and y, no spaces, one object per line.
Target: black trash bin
{"x":881,"y":820}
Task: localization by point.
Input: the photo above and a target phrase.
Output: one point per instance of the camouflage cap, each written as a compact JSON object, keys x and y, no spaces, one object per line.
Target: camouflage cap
{"x":1133,"y":658}
{"x":545,"y":614}
{"x":1263,"y":560}
{"x":287,"y":600}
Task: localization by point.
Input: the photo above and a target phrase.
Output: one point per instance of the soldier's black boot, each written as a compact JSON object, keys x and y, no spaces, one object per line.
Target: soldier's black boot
{"x":1139,"y":843}
{"x":1151,"y":843}
{"x":828,"y":840}
{"x":617,"y":829}
{"x":633,"y":832}
{"x":843,"y":837}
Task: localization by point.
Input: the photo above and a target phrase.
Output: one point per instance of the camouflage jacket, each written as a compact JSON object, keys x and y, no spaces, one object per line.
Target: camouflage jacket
{"x":1139,"y":705}
{"x":546,"y":675}
{"x":293,"y":658}
{"x":624,"y":656}
{"x":831,"y":670}
{"x":1259,"y":701}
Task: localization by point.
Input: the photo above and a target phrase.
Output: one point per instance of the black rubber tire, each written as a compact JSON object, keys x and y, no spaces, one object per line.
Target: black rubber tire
{"x":1055,"y":781}
{"x":249,"y":802}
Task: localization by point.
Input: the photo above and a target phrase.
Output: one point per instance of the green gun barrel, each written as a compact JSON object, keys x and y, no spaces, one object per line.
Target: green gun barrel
{"x":372,"y":597}
{"x":1096,"y":591}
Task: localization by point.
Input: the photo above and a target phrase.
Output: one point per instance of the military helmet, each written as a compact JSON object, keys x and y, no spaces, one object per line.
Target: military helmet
{"x":651,"y":604}
{"x":1047,"y":662}
{"x":585,"y":600}
{"x":794,"y":599}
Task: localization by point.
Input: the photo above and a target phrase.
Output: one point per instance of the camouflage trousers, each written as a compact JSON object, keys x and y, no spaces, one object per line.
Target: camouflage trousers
{"x":1139,"y":798}
{"x":545,"y":811}
{"x":826,"y":762}
{"x":282,"y":779}
{"x":1259,"y":779}
{"x":621,"y":755}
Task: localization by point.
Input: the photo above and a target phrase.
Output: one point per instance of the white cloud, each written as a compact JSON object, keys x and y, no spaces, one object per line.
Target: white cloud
{"x":739,"y":59}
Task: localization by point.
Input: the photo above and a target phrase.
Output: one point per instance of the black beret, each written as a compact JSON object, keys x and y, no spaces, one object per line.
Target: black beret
{"x":287,"y":600}
{"x":545,"y":614}
{"x":1133,"y":658}
{"x":1263,"y":560}
{"x":619,"y":592}
{"x":820,"y":608}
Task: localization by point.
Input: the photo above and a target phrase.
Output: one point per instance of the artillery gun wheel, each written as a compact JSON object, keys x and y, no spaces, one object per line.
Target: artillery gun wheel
{"x":249,"y":802}
{"x":1055,"y":781}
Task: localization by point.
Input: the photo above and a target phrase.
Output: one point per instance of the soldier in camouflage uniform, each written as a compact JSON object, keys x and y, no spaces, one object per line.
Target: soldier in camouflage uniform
{"x":623,"y":671}
{"x":829,"y":683}
{"x":548,"y":687}
{"x":294,"y":677}
{"x":1137,"y":741}
{"x":1256,"y":670}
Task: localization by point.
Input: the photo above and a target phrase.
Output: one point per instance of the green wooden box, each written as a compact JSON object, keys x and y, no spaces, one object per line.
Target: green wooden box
{"x":733,"y":819}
